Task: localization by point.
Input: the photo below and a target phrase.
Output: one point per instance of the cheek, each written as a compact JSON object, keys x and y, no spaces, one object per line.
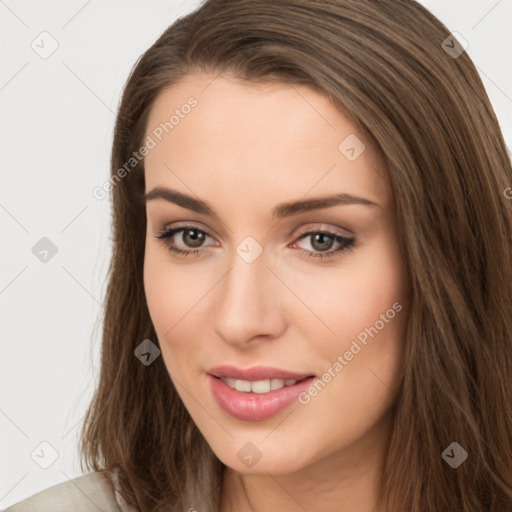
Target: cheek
{"x":170,"y":293}
{"x":376,"y":310}
{"x":365,"y":305}
{"x":351,"y":296}
{"x":369,"y":316}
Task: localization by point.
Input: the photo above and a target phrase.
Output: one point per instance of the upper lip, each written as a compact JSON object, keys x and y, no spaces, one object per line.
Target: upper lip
{"x":256,"y":373}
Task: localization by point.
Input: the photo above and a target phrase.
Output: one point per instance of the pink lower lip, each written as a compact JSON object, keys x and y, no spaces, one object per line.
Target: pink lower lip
{"x":255,"y":406}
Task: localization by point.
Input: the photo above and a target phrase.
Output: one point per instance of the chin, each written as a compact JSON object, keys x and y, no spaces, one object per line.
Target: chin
{"x":257,"y":455}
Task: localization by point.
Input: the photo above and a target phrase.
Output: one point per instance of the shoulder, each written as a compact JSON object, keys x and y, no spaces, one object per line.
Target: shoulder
{"x":87,"y":493}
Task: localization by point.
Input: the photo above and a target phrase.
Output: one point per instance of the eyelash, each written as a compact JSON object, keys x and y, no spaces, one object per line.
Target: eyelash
{"x":349,"y":243}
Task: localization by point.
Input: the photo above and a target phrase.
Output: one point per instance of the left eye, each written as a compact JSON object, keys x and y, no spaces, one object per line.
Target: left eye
{"x":320,"y":241}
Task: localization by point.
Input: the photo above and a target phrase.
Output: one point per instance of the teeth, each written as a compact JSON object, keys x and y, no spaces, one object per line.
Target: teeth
{"x":257,"y":386}
{"x":243,"y":385}
{"x":276,"y":384}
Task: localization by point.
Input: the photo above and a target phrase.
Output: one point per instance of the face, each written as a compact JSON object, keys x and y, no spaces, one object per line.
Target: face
{"x":300,"y":307}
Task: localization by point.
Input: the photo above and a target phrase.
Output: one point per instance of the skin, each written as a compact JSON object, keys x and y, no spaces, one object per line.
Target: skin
{"x":245,"y":148}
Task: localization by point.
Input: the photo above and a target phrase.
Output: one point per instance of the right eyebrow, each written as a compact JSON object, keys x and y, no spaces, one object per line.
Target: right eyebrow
{"x":183,"y":200}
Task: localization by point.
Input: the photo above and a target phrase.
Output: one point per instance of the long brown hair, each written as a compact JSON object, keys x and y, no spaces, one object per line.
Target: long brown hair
{"x":391,"y":66}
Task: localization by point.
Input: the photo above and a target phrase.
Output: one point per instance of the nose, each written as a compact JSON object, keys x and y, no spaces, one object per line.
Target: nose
{"x":249,"y":305}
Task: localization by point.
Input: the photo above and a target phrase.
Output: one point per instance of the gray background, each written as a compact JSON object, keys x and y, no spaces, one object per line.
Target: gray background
{"x":57,"y":122}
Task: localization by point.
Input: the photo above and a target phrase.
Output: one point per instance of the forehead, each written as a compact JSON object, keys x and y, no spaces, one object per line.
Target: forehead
{"x":219,"y":132}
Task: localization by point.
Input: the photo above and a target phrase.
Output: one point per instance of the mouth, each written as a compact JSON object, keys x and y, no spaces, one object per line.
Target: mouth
{"x":257,"y":393}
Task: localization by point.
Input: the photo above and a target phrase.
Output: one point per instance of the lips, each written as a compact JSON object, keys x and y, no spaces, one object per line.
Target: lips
{"x":256,"y":373}
{"x":254,"y":406}
{"x":258,"y":393}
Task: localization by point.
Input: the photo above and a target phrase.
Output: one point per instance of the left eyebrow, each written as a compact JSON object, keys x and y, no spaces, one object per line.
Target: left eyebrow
{"x":279,"y":212}
{"x":317,"y":203}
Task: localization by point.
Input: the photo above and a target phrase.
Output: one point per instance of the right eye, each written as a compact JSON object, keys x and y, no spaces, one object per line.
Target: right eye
{"x":191,"y":237}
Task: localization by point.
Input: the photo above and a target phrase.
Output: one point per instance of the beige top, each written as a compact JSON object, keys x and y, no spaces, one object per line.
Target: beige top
{"x":87,"y":493}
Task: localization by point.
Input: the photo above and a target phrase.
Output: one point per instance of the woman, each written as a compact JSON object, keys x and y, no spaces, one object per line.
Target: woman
{"x":310,"y":294}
